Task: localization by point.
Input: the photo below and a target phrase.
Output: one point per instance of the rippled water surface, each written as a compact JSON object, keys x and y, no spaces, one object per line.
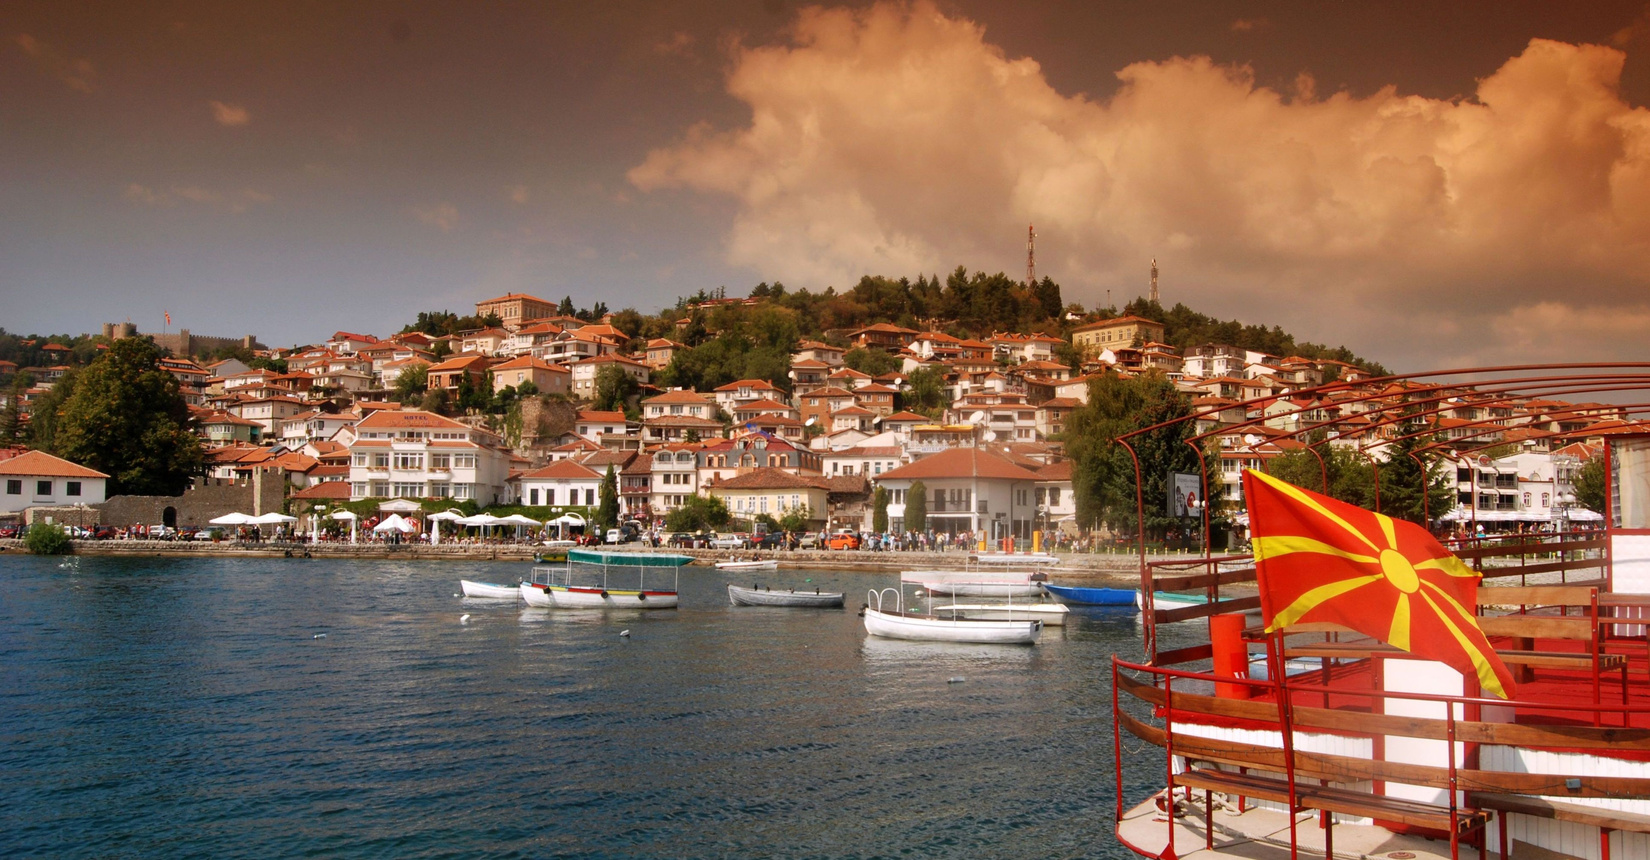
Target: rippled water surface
{"x":194,"y":708}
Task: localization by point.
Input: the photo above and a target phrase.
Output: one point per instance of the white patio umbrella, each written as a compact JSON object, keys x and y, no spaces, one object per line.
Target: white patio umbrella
{"x":562,"y":522}
{"x":272,"y":518}
{"x":518,"y":520}
{"x":235,"y":519}
{"x":394,"y":522}
{"x":435,"y":521}
{"x":346,"y":515}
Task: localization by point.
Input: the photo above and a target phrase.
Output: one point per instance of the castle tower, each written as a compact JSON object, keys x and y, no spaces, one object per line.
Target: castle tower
{"x":1154,"y":281}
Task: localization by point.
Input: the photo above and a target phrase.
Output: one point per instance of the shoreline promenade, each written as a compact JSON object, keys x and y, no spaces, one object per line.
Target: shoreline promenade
{"x":1109,"y":567}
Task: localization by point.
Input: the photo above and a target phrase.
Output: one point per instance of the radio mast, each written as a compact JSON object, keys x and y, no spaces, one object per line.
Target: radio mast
{"x":1031,"y":256}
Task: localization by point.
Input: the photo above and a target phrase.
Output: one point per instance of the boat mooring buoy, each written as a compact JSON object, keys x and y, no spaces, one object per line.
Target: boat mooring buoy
{"x":624,"y":634}
{"x":956,"y":680}
{"x":464,"y":619}
{"x":319,"y":636}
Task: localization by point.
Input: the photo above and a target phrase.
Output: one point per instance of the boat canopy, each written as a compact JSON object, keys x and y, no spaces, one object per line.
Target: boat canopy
{"x":628,"y":559}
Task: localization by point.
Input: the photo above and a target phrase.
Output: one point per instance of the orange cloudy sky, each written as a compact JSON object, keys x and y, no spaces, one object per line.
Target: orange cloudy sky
{"x":1427,"y":186}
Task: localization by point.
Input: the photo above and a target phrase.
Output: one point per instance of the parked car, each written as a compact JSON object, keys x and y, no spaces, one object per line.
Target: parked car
{"x":208,"y":534}
{"x":807,"y":540}
{"x":771,"y":540}
{"x":730,"y":540}
{"x":843,"y":540}
{"x":104,"y":532}
{"x":680,"y":540}
{"x":11,"y":531}
{"x":619,"y":536}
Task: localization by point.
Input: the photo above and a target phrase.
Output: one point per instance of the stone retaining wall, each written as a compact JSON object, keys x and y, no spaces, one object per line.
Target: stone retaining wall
{"x":1117,"y":567}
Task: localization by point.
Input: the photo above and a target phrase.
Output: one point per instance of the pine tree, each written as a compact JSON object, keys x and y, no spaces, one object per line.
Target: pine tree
{"x":607,"y":510}
{"x":11,"y":418}
{"x":916,"y":507}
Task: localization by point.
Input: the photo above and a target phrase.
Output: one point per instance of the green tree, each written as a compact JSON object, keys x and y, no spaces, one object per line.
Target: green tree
{"x":11,"y":418}
{"x":1402,"y":481}
{"x":614,"y":389}
{"x":916,"y":507}
{"x":795,"y":519}
{"x":924,"y":392}
{"x":1589,"y":485}
{"x":1103,"y":474}
{"x":412,"y":383}
{"x":46,"y":413}
{"x":127,"y":418}
{"x":874,"y":361}
{"x":607,"y":507}
{"x":879,"y":510}
{"x":47,"y":539}
{"x":698,"y":513}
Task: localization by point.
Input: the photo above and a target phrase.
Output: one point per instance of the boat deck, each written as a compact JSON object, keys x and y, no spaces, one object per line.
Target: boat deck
{"x":1263,"y":834}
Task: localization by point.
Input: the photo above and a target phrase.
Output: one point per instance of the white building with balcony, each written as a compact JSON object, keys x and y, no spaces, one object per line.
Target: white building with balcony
{"x":422,"y":455}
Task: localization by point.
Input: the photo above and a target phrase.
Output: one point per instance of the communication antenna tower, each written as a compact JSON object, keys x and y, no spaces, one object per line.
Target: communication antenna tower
{"x":1154,"y":280}
{"x":1031,"y":255}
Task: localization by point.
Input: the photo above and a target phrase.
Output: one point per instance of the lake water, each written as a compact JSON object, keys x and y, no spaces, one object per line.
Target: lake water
{"x":192,"y":708}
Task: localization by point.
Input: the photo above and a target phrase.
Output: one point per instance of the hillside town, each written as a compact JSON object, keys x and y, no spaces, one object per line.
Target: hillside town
{"x":535,"y":408}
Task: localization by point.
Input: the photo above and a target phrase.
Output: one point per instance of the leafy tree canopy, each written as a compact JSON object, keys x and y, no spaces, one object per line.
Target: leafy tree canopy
{"x":126,"y":417}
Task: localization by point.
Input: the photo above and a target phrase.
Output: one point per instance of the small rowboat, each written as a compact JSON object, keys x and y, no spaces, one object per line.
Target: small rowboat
{"x":767,"y":597}
{"x":769,"y":564}
{"x":1077,"y":595}
{"x":893,"y":622}
{"x":490,"y":591}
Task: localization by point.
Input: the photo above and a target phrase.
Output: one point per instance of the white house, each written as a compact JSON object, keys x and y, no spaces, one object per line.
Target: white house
{"x":968,"y":490}
{"x":38,"y":479}
{"x":563,"y":482}
{"x":423,"y":455}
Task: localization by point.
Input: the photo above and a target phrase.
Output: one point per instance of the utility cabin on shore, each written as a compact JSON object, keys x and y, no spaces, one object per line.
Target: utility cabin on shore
{"x":1314,"y":740}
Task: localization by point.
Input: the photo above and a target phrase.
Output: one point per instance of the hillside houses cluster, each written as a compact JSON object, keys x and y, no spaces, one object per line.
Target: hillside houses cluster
{"x":990,"y":458}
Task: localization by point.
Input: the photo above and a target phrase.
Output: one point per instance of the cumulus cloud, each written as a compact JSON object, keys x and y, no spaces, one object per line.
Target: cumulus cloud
{"x":230,"y":115}
{"x":896,"y":139}
{"x":233,"y":202}
{"x":442,"y":216}
{"x":77,"y":73}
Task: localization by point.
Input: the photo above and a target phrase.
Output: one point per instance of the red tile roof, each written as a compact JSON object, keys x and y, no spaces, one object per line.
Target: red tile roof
{"x":46,"y":466}
{"x":563,"y":469}
{"x":960,"y":463}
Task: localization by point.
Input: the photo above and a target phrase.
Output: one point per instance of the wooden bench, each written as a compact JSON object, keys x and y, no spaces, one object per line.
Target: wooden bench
{"x":1606,"y":820}
{"x":1461,"y":821}
{"x":1550,"y":619}
{"x":1257,"y":770}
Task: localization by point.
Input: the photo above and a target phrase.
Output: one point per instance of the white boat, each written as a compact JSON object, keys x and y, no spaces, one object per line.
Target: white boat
{"x":765,"y":564}
{"x":895,"y":623}
{"x":489,"y":591}
{"x":956,"y":588}
{"x":817,"y":599}
{"x":987,"y":574}
{"x":1051,"y":614}
{"x":601,"y":579}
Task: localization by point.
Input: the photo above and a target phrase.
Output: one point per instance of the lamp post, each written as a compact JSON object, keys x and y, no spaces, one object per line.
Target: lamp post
{"x":1564,"y":500}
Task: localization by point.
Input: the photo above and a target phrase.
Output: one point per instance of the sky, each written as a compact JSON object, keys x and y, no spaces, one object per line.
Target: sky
{"x":1431,"y":185}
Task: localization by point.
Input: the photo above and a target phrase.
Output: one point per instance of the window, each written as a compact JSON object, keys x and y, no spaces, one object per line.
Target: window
{"x":550,"y":495}
{"x":14,"y":488}
{"x":358,"y":489}
{"x":71,"y":488}
{"x":533,"y":497}
{"x":1054,"y":495}
{"x":441,"y":461}
{"x":408,"y":461}
{"x":380,"y":461}
{"x":42,"y":488}
{"x":441,"y":490}
{"x":589,"y":497}
{"x":464,"y":461}
{"x":406,"y":489}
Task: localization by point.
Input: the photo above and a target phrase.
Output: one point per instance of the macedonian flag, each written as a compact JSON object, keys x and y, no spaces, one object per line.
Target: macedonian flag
{"x":1317,"y":559}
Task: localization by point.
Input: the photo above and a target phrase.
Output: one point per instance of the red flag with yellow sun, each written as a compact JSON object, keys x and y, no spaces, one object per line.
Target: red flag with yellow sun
{"x":1317,"y":559}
